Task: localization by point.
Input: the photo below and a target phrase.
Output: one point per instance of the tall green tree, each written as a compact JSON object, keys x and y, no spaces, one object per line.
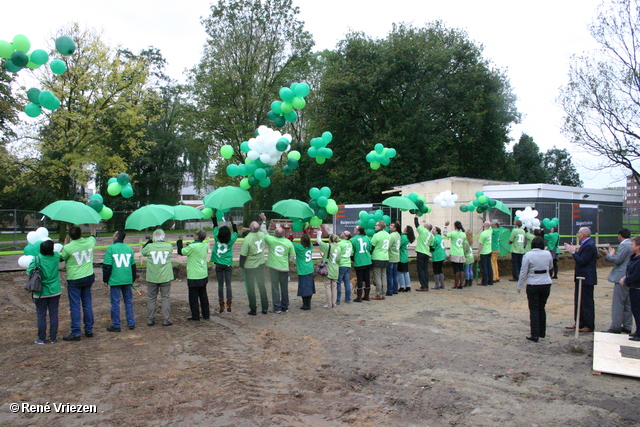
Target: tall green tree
{"x":528,"y":161}
{"x":559,"y":168}
{"x":428,"y":93}
{"x":253,"y":48}
{"x":8,"y":108}
{"x":602,"y":98}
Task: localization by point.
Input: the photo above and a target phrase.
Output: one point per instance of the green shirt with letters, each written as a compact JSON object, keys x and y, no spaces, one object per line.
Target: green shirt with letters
{"x":120,"y":257}
{"x":78,"y":255}
{"x":197,"y":260}
{"x":518,"y":240}
{"x":159,"y":267}
{"x":380,"y":243}
{"x":361,"y":250}
{"x":280,"y":250}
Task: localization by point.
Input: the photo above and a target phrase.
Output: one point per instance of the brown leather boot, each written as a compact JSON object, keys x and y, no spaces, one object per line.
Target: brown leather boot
{"x":358,"y":295}
{"x":222,"y":306}
{"x":229,"y":305}
{"x":366,"y":294}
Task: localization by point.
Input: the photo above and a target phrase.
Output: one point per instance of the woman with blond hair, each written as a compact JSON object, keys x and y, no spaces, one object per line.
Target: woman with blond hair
{"x":331,"y":256}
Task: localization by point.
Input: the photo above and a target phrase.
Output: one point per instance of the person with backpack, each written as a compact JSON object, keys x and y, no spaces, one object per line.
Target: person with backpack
{"x":48,"y":300}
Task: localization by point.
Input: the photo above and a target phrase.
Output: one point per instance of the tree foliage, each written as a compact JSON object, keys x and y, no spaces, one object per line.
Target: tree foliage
{"x":428,"y":93}
{"x":8,"y":108}
{"x":602,"y":99}
{"x":559,"y":168}
{"x":528,"y":161}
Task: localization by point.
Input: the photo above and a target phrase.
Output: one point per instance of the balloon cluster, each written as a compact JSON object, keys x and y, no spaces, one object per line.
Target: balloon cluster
{"x":120,"y":185}
{"x":17,"y":56}
{"x":292,"y":99}
{"x":369,"y":219}
{"x":97,"y":203}
{"x":263,"y":153}
{"x":34,"y":239}
{"x":481,"y":204}
{"x":550,"y":223}
{"x":319,"y":149}
{"x":446,"y":199}
{"x":380,"y":155}
{"x":421,"y":203}
{"x":528,"y":217}
{"x":322,"y":205}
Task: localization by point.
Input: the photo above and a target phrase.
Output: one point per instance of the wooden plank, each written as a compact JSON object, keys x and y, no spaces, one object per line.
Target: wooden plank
{"x":616,"y":354}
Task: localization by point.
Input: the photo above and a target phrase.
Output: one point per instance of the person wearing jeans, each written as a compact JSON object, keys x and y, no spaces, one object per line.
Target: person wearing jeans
{"x":423,"y":253}
{"x":119,"y":273}
{"x":49,"y":298}
{"x":380,"y":259}
{"x":394,"y":258}
{"x":484,"y":249}
{"x":344,"y":267}
{"x":362,"y":263}
{"x":222,"y":256}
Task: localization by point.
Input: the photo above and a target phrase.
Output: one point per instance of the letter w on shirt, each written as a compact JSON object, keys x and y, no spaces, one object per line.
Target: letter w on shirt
{"x":122,"y":260}
{"x":159,"y":257}
{"x":82,"y":257}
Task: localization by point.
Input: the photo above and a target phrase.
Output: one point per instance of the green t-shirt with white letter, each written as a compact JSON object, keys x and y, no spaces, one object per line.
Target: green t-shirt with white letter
{"x":380,"y":242}
{"x":280,"y":249}
{"x":120,"y":257}
{"x":78,"y":255}
{"x":159,"y":267}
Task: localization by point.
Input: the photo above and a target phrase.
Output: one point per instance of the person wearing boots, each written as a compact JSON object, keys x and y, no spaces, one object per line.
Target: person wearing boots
{"x":456,"y":249}
{"x":394,"y":258}
{"x":484,"y":250}
{"x":439,"y":255}
{"x":222,"y":257}
{"x":404,"y":280}
{"x":304,"y":268}
{"x":380,"y":259}
{"x":197,"y":275}
{"x":159,"y":276}
{"x":423,"y":252}
{"x":362,"y":263}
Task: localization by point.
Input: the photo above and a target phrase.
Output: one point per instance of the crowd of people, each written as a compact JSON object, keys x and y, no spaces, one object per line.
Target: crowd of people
{"x":380,"y":261}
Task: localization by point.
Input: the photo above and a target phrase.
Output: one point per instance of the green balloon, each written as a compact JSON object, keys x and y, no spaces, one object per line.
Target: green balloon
{"x":294,"y":155}
{"x":323,"y":201}
{"x":332,"y":207}
{"x":286,"y":107}
{"x":391,"y":153}
{"x":378,"y":148}
{"x":292,"y":163}
{"x":286,"y":95}
{"x":96,"y":196}
{"x":232,"y":170}
{"x":287,"y":170}
{"x":479,"y":193}
{"x":315,"y":221}
{"x":58,"y":66}
{"x":279,"y":121}
{"x":244,"y":184}
{"x":374,"y":165}
{"x":39,"y":56}
{"x":320,"y":160}
{"x":264,"y":183}
{"x":48,"y":100}
{"x":32,"y":110}
{"x":291,"y":116}
{"x":301,"y":90}
{"x":298,"y":103}
{"x":114,"y":189}
{"x":96,"y":205}
{"x":464,"y":208}
{"x":282,"y":144}
{"x":127,"y":191}
{"x":207,"y":212}
{"x":482,"y":199}
{"x":65,"y":45}
{"x":10,"y":66}
{"x":314,"y":193}
{"x":226,"y":151}
{"x":276,"y":107}
{"x":112,"y":180}
{"x":106,"y":213}
{"x":21,"y":43}
{"x":123,"y":179}
{"x":326,"y":192}
{"x":244,"y":147}
{"x":297,"y":226}
{"x":20,"y":59}
{"x":6,"y":49}
{"x":260,"y":174}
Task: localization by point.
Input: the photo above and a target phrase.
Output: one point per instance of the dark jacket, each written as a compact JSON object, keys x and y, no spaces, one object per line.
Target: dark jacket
{"x":586,"y":258}
{"x":632,"y":280}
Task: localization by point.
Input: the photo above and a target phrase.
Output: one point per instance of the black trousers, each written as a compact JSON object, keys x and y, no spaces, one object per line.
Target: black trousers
{"x":516,"y":265}
{"x":363,"y":275}
{"x":198,"y":299}
{"x":587,"y":307}
{"x":537,"y":296}
{"x":487,"y":269}
{"x":422,"y":263}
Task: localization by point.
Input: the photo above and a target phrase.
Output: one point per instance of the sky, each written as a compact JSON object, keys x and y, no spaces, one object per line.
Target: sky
{"x":531,"y":41}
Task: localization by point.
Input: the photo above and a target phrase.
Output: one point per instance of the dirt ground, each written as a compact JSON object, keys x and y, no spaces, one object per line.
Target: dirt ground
{"x":442,"y":358}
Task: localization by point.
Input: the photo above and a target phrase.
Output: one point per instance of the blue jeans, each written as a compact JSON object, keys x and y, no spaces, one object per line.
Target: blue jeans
{"x":79,"y":291}
{"x":468,"y":271}
{"x":127,"y":297}
{"x":392,"y":278}
{"x":42,"y":306}
{"x":344,"y":277}
{"x":487,"y":269}
{"x":279,"y":289}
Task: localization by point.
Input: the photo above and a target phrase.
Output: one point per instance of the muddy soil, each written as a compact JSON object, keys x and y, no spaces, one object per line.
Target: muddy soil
{"x":437,"y":358}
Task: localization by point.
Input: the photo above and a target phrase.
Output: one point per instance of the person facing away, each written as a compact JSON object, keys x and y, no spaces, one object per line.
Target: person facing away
{"x":197,"y":275}
{"x":222,"y":257}
{"x":517,"y":240}
{"x":159,"y":276}
{"x":344,"y":267}
{"x":362,"y":263}
{"x":280,"y":253}
{"x":78,"y":256}
{"x":48,"y":300}
{"x":252,"y":264}
{"x":304,"y":267}
{"x":119,"y":273}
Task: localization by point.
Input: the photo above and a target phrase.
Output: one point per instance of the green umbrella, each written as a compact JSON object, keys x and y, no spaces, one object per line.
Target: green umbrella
{"x":149,"y":216}
{"x":502,"y":207}
{"x":225,"y":198}
{"x":71,"y":211}
{"x":399,"y":202}
{"x":182,"y":213}
{"x":292,"y":208}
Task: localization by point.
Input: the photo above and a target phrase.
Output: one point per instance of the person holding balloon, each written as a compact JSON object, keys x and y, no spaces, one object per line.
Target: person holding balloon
{"x":344,"y":269}
{"x":552,"y":239}
{"x":394,"y":258}
{"x":380,"y":259}
{"x":222,"y":257}
{"x":517,"y":240}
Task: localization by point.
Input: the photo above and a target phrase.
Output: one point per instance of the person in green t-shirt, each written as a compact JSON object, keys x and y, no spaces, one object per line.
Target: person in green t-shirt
{"x":485,"y":245}
{"x":252,"y":264}
{"x":119,"y":273}
{"x":394,"y":258}
{"x":404,"y":280}
{"x":517,"y":240}
{"x":380,"y":243}
{"x":331,"y":256}
{"x":197,"y":275}
{"x":78,"y":256}
{"x":439,"y":255}
{"x":280,"y":253}
{"x":159,"y":276}
{"x":529,"y":236}
{"x":423,"y":253}
{"x":469,"y":259}
{"x":344,"y":268}
{"x":48,"y":261}
{"x":362,"y":263}
{"x":304,"y":268}
{"x":553,"y":239}
{"x":495,"y":249}
{"x":456,"y":252}
{"x":222,"y":257}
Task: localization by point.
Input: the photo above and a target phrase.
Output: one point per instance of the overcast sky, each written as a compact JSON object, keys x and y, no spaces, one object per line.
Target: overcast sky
{"x":532,"y":41}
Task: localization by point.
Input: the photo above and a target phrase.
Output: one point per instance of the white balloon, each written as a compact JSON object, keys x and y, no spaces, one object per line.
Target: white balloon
{"x":443,"y":204}
{"x":454,"y":197}
{"x":32,"y":237}
{"x":451,"y":204}
{"x":25,"y":260}
{"x":265,"y":158}
{"x":437,"y":200}
{"x":536,"y":222}
{"x":57,"y":247}
{"x":253,"y":154}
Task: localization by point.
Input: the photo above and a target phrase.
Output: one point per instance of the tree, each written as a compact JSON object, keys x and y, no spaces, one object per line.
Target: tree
{"x":559,"y":168}
{"x":602,"y":99}
{"x":254,"y":47}
{"x":528,"y":161}
{"x":428,"y":93}
{"x":8,"y":108}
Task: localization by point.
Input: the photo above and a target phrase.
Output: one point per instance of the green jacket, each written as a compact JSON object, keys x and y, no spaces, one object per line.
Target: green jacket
{"x":159,"y":267}
{"x":49,"y":273}
{"x":78,"y":255}
{"x":404,"y":248}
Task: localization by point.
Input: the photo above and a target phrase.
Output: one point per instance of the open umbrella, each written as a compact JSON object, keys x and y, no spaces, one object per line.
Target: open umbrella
{"x":292,"y":208}
{"x":149,"y":216}
{"x":225,"y":198}
{"x":183,"y":213}
{"x":399,"y":202}
{"x":502,"y":207}
{"x":71,"y":211}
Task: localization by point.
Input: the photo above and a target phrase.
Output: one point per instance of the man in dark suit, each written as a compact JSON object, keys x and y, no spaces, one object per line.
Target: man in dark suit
{"x":585,"y":258}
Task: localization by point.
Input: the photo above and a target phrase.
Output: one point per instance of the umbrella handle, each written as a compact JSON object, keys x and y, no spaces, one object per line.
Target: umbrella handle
{"x":579,"y":306}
